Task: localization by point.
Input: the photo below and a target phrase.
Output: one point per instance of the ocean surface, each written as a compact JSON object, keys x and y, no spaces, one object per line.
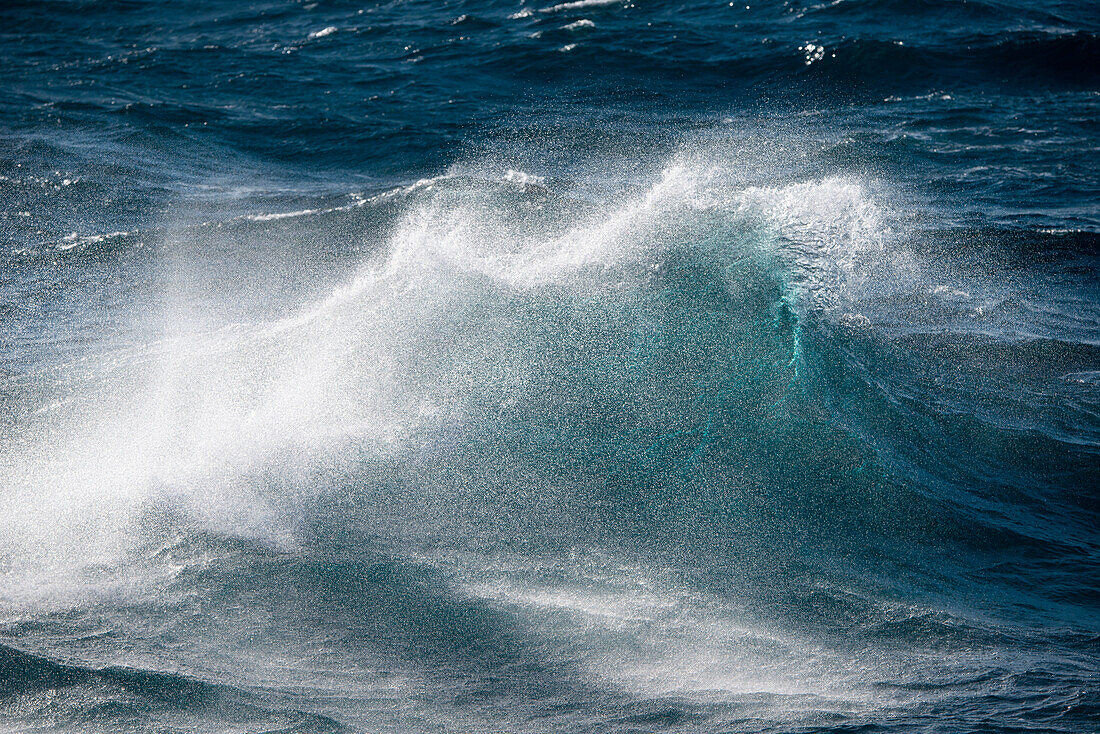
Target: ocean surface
{"x":510,"y":366}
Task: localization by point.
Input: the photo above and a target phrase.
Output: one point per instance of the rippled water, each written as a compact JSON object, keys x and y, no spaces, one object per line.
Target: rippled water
{"x":596,"y":366}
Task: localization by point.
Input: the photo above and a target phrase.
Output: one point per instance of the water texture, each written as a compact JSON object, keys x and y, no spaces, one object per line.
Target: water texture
{"x":598,"y":366}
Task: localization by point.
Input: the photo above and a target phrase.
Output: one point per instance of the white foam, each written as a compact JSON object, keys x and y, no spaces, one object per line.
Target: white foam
{"x":654,"y":637}
{"x":74,"y":239}
{"x":285,"y":215}
{"x":524,"y":179}
{"x":578,"y":4}
{"x":324,"y":32}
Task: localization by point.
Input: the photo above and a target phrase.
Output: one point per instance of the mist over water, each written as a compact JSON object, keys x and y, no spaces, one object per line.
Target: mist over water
{"x":593,"y":366}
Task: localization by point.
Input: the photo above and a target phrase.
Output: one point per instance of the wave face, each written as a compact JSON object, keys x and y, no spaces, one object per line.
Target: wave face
{"x":594,"y":366}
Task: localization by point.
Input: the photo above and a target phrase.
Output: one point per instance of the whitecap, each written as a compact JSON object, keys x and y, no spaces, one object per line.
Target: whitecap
{"x":577,"y":4}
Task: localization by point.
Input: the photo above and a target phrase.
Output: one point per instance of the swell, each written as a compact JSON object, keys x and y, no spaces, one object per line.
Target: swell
{"x":839,"y":49}
{"x":841,"y":66}
{"x":127,"y":698}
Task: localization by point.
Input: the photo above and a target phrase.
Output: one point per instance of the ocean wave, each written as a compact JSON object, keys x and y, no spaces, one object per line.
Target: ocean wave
{"x":385,"y":360}
{"x":696,"y":298}
{"x":766,"y":403}
{"x":115,"y":696}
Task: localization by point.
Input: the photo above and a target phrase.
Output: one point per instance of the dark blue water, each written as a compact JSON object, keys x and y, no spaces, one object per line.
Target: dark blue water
{"x":601,"y":366}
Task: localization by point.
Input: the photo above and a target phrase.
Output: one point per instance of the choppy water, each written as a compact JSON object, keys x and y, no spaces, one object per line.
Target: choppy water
{"x":598,"y":366}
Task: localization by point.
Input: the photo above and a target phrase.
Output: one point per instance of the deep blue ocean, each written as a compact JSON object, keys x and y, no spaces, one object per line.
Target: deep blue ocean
{"x":508,"y":366}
